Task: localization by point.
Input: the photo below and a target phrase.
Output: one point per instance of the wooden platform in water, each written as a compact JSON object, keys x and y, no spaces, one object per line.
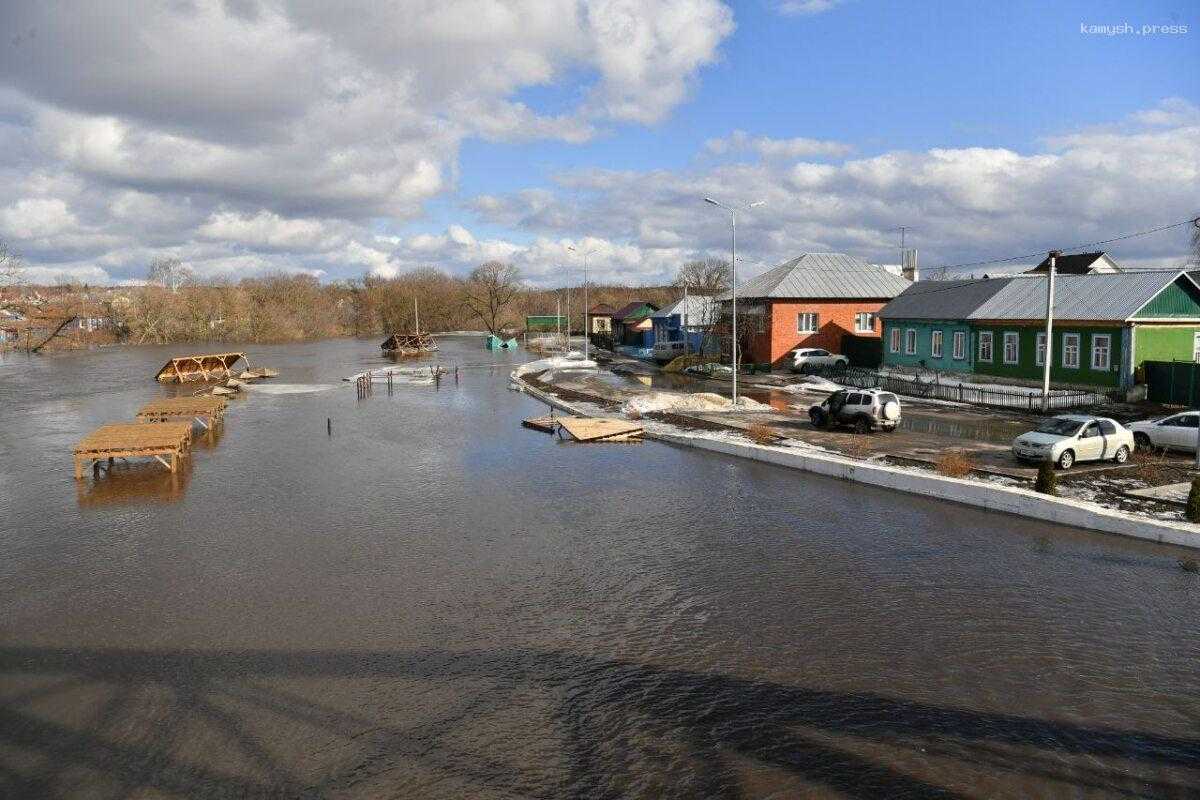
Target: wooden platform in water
{"x":543,"y":424}
{"x":167,"y":442}
{"x":206,"y":409}
{"x":209,"y":367}
{"x":591,"y":429}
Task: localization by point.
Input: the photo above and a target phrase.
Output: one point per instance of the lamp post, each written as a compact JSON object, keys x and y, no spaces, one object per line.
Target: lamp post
{"x":586,"y":329}
{"x":733,"y":267}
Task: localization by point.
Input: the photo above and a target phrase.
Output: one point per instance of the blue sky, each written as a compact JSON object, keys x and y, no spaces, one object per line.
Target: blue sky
{"x":291,"y":135}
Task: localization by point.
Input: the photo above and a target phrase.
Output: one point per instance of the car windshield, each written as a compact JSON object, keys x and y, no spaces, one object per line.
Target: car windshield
{"x":1060,"y":427}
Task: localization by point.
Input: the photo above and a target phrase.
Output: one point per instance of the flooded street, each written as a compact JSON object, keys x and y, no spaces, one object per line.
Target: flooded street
{"x":433,"y":602}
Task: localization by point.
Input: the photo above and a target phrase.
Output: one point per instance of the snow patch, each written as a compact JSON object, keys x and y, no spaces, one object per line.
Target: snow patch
{"x":700,"y":401}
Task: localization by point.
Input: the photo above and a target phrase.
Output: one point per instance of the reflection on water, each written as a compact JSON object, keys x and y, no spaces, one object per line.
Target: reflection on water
{"x":413,"y":596}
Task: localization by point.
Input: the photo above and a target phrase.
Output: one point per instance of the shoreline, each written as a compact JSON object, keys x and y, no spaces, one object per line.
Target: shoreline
{"x":1015,"y":501}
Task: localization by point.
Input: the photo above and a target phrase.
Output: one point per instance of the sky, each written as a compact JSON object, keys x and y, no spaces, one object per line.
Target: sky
{"x":247,"y":137}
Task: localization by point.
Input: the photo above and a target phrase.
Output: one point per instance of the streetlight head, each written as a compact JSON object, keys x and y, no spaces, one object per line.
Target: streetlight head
{"x":710,"y":200}
{"x":571,"y":247}
{"x":758,"y":203}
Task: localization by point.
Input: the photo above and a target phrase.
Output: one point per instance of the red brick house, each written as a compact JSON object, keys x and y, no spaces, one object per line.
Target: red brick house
{"x":811,"y":301}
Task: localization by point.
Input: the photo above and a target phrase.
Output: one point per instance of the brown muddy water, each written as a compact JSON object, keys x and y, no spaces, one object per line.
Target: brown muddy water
{"x":436,"y":603}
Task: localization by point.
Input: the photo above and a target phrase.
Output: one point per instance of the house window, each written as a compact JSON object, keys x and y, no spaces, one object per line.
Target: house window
{"x":895,"y":345}
{"x":1070,"y":356}
{"x":960,"y":345}
{"x":807,"y":322}
{"x":1040,"y":358}
{"x":1011,"y":347}
{"x":935,"y":344}
{"x":1196,"y":347}
{"x":864,"y":322}
{"x":910,"y":342}
{"x":1101,"y":351}
{"x":985,"y":346}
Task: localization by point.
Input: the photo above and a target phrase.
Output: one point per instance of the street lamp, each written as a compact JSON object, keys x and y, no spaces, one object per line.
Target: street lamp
{"x":733,"y":267}
{"x":586,"y":328}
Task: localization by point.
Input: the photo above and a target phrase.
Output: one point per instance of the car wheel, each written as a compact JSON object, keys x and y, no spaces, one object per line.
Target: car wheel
{"x":818,"y":418}
{"x":1067,"y":459}
{"x":1122,"y":455}
{"x":1141,"y":440}
{"x":862,"y":425}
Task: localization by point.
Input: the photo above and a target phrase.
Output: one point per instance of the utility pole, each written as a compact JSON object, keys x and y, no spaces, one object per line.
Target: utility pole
{"x":1054,"y":254}
{"x":733,"y":268}
{"x":587,"y":324}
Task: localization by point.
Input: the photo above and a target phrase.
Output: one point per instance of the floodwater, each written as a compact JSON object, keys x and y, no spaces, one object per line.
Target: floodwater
{"x":433,"y":602}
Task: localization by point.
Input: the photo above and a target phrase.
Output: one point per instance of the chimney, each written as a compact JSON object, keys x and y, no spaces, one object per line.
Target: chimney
{"x":908,"y":267}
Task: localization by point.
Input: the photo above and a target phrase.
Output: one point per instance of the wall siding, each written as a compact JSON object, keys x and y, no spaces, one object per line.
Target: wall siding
{"x":1027,"y":368}
{"x":1175,"y":300}
{"x":925,"y":329}
{"x":1164,"y":343}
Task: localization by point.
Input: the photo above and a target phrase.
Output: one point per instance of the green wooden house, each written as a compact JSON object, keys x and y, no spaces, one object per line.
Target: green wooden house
{"x":1106,"y":326}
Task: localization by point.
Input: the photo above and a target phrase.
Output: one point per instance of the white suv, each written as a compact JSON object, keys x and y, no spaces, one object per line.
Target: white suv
{"x":816,"y":357}
{"x":864,"y":410}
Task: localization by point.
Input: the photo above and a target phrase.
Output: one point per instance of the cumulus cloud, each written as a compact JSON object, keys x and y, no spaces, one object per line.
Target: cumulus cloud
{"x":767,"y":147}
{"x":807,"y":7}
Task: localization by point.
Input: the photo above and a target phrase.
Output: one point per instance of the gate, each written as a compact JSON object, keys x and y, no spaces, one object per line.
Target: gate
{"x":1175,"y":383}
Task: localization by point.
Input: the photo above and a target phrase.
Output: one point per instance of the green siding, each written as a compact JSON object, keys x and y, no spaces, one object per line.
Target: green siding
{"x":1164,"y":343}
{"x":924,"y":330}
{"x":1176,"y":300}
{"x":1027,"y":367}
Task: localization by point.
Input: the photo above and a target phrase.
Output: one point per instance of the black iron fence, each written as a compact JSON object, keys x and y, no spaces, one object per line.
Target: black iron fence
{"x":934,"y":388}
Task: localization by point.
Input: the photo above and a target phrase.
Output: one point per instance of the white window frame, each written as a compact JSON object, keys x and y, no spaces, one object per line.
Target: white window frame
{"x":1015,"y":338}
{"x":1196,"y":346}
{"x":895,"y":340}
{"x":801,"y":318}
{"x":1066,"y":349}
{"x":869,"y":327}
{"x":1039,"y":356}
{"x":959,"y":353}
{"x":910,"y":341}
{"x":1107,"y":337}
{"x":936,"y":344}
{"x":986,"y":336}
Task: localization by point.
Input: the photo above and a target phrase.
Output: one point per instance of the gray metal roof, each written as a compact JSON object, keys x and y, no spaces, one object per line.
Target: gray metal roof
{"x":954,"y":299}
{"x":699,"y":309}
{"x":823,"y":275}
{"x":1076,"y":297}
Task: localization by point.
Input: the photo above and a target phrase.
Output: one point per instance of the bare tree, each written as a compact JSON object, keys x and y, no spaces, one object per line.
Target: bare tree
{"x":710,"y":276}
{"x":169,"y":273}
{"x":489,"y":290}
{"x":11,"y":266}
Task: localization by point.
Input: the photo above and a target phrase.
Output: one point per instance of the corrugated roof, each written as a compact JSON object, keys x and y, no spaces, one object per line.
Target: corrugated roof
{"x":1075,"y":264}
{"x":602,"y":310}
{"x":624,"y":311}
{"x":823,"y":275}
{"x":698,"y":309}
{"x":1116,"y":296}
{"x":954,"y":299}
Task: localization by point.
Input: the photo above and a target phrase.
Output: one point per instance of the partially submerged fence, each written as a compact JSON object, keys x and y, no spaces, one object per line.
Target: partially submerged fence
{"x":975,"y":394}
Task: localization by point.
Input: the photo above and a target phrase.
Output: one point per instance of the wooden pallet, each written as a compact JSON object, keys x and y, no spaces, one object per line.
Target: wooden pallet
{"x":166,"y":442}
{"x":543,"y":424}
{"x":592,"y":429}
{"x":205,"y":409}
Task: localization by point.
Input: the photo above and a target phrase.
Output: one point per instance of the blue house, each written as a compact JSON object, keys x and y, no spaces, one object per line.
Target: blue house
{"x":687,"y":321}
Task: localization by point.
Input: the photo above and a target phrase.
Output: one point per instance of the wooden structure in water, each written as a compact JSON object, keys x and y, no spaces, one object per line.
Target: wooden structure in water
{"x":543,"y":424}
{"x":211,"y":367}
{"x":208,"y":410}
{"x":166,"y":442}
{"x":409,"y":344}
{"x":596,"y":429}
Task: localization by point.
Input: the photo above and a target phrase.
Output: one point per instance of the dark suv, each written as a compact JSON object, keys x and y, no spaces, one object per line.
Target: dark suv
{"x":865,"y":410}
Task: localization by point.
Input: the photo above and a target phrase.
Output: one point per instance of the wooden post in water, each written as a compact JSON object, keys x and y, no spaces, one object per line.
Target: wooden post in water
{"x":329,"y":426}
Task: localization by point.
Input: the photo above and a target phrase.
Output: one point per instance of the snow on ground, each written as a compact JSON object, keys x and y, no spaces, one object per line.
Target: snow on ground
{"x":286,"y":388}
{"x":571,"y":361}
{"x":811,"y":383}
{"x":699,"y":401}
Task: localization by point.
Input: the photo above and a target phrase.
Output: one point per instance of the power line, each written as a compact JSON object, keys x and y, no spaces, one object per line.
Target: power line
{"x":1041,"y":253}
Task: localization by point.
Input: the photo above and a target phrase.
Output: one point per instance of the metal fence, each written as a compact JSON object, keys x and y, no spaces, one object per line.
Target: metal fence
{"x":974,"y":394}
{"x":1173,"y":382}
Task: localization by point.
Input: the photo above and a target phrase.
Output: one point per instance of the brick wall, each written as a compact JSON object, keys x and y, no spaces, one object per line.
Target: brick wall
{"x":836,"y":318}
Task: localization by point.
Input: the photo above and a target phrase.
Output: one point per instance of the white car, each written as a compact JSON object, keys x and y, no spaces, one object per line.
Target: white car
{"x":816,"y":357}
{"x":1070,"y":438}
{"x":1176,"y":432}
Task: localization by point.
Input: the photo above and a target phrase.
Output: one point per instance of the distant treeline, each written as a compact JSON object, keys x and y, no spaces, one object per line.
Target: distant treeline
{"x":297,"y":307}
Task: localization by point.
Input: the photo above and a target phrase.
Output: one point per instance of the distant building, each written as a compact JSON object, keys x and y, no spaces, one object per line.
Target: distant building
{"x":600,"y":318}
{"x":1079,"y":264}
{"x":686,"y":320}
{"x":632,"y":324}
{"x":814,"y":300}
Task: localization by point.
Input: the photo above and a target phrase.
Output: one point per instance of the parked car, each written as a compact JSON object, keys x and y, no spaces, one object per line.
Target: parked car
{"x":1070,"y":438}
{"x":816,"y":357}
{"x":864,"y":410}
{"x":1176,"y":432}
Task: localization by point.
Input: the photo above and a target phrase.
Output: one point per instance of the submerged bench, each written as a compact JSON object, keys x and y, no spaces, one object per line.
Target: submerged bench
{"x":166,"y":442}
{"x":207,"y":410}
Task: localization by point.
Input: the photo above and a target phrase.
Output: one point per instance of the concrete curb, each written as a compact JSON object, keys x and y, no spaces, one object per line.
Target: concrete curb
{"x":1006,"y":499}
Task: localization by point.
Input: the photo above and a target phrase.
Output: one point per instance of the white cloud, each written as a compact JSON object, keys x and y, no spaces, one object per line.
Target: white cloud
{"x":767,"y":147}
{"x":269,"y":230}
{"x":807,"y":7}
{"x":36,"y":218}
